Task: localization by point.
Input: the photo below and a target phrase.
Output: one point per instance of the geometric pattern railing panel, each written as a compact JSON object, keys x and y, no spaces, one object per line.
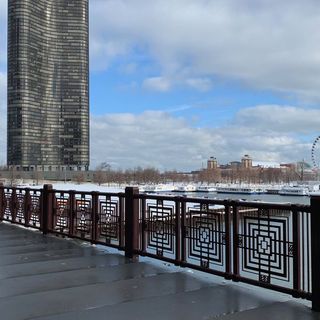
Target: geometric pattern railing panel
{"x":61,"y":212}
{"x":109,"y":222}
{"x":8,"y":204}
{"x":20,"y":206}
{"x":159,"y":227}
{"x":83,"y":216}
{"x":35,"y":208}
{"x":266,"y":245}
{"x":205,"y":236}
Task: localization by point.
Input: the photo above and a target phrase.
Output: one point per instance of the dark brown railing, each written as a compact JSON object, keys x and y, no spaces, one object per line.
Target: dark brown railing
{"x":276,"y":246}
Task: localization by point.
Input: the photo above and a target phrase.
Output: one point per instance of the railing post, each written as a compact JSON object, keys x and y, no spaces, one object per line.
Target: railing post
{"x":95,"y":216}
{"x":296,"y":235}
{"x":235,"y":217}
{"x":131,"y":222}
{"x":183,"y":222}
{"x":315,"y":251}
{"x":27,"y":207}
{"x":178,"y":231}
{"x":13,"y":205}
{"x":227,"y":222}
{"x":2,"y":200}
{"x":72,"y":210}
{"x":46,"y":220}
{"x":121,"y":222}
{"x":143,"y":226}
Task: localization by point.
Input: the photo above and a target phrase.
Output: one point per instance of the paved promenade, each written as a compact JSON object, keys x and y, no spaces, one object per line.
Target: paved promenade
{"x":48,"y":278}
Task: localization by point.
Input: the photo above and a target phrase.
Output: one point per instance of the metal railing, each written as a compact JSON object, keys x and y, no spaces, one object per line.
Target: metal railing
{"x":276,"y":246}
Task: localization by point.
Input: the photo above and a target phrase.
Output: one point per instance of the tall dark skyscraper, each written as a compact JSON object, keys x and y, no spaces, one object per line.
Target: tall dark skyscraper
{"x":48,"y":84}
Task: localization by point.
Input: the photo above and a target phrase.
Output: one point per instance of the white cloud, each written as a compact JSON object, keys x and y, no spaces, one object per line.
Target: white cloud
{"x":149,"y":139}
{"x":128,"y":69}
{"x":164,"y":141}
{"x":164,"y":84}
{"x":266,"y":44}
{"x":280,"y":118}
{"x":104,"y":51}
{"x":201,"y":84}
{"x":157,"y":84}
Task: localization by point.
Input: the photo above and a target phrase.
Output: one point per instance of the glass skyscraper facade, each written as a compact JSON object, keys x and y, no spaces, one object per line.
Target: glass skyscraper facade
{"x":48,"y":84}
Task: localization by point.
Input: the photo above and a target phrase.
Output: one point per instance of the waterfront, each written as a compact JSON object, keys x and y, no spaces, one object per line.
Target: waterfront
{"x":272,"y":198}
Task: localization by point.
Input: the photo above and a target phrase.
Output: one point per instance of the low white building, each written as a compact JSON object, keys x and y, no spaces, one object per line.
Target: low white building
{"x":266,"y":164}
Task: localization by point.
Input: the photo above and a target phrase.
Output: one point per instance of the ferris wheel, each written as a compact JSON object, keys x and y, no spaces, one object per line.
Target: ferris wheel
{"x":315,"y":153}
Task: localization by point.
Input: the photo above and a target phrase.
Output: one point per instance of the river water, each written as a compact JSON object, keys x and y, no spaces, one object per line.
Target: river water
{"x":251,"y":197}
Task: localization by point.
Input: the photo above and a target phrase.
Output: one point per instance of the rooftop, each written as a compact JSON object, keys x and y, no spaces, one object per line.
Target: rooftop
{"x":46,"y":277}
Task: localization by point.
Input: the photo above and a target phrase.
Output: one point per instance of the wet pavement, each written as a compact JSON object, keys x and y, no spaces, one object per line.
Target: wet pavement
{"x":45,"y":277}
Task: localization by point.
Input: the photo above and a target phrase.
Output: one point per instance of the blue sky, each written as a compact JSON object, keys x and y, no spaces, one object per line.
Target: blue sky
{"x":175,"y":82}
{"x":125,"y":95}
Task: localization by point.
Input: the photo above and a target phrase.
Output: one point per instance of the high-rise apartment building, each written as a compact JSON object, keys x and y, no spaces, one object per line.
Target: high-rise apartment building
{"x":48,"y":93}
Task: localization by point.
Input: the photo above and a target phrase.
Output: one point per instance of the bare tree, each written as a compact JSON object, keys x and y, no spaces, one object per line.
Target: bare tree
{"x":171,"y":176}
{"x":104,"y":166}
{"x":102,"y":173}
{"x":79,"y":177}
{"x":99,"y":177}
{"x":36,"y":176}
{"x":13,"y":176}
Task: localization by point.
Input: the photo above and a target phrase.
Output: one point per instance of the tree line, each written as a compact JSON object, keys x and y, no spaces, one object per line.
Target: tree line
{"x":103,"y":175}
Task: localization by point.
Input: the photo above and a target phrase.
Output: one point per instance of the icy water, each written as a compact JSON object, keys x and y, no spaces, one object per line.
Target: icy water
{"x":250,"y":197}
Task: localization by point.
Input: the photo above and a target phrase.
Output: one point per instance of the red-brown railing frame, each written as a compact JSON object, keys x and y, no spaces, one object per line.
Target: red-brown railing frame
{"x":209,"y":235}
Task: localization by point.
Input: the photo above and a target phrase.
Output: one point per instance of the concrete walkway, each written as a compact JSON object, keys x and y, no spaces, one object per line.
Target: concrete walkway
{"x":56,"y":279}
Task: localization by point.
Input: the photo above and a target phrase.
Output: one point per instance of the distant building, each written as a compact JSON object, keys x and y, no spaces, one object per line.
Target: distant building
{"x":235,"y":164}
{"x":266,"y":164}
{"x":288,"y":166}
{"x":251,"y":171}
{"x":212,"y":163}
{"x":246,"y":162}
{"x":48,"y":85}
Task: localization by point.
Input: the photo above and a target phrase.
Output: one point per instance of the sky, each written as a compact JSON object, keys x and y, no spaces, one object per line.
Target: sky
{"x":175,"y":82}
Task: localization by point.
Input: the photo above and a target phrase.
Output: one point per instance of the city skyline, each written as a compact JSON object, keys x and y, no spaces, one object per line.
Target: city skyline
{"x":168,"y":90}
